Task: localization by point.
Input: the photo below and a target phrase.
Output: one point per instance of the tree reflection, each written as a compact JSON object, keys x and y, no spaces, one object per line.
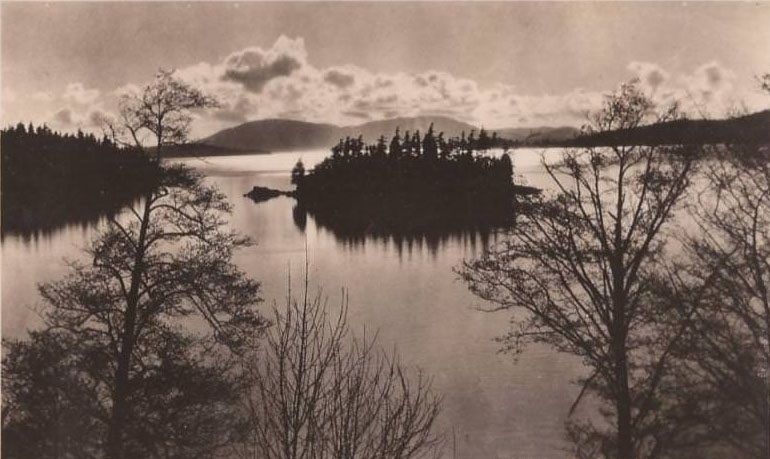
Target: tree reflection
{"x":405,"y":239}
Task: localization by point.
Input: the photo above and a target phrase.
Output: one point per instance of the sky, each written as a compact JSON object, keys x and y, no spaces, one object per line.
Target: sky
{"x":492,"y":64}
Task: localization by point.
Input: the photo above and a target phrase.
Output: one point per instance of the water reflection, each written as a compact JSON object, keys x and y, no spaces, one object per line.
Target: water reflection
{"x":35,"y":237}
{"x":31,"y":229}
{"x":404,"y":240}
{"x":401,"y":285}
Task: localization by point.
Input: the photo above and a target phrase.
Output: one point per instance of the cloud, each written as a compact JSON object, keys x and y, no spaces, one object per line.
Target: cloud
{"x":63,"y":118}
{"x":710,"y":90}
{"x":237,"y":112}
{"x":255,"y":67}
{"x":280,"y":81}
{"x":96,"y":118}
{"x":89,"y":119}
{"x":78,"y":94}
{"x":339,"y":78}
{"x":345,"y":94}
{"x":709,"y":81}
{"x":83,"y":108}
{"x":650,"y":75}
{"x":126,"y":89}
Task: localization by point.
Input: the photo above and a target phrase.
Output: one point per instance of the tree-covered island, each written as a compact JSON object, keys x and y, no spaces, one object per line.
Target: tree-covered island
{"x":414,"y":183}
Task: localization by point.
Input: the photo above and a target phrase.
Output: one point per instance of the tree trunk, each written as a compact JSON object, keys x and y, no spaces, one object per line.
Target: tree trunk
{"x":114,"y":447}
{"x":619,"y":337}
{"x":624,"y":441}
{"x":623,"y":407}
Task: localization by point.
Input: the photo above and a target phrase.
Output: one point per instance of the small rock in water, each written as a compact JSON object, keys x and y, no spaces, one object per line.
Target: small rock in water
{"x":261,"y":193}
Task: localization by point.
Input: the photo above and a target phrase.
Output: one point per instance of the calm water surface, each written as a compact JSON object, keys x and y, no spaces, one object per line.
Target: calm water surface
{"x":493,"y":407}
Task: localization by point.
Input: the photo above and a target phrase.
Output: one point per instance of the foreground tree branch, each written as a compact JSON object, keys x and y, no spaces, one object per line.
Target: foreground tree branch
{"x":726,"y":356}
{"x":320,"y":393}
{"x":584,"y":265}
{"x":163,"y":263}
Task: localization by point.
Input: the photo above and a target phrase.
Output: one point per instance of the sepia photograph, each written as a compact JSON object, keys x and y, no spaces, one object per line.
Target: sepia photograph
{"x":385,"y":230}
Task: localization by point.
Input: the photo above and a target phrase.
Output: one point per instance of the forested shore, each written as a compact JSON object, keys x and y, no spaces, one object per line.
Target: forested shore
{"x":50,"y":179}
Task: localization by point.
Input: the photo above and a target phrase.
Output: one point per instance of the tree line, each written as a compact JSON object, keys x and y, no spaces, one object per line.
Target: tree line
{"x":50,"y":178}
{"x":430,"y":146}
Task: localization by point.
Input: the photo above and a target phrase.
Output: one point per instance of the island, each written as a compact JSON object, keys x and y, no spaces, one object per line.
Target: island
{"x":413,"y":183}
{"x":262,"y":193}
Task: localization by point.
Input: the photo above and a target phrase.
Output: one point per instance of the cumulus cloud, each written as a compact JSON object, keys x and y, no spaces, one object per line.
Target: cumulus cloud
{"x":125,"y":90}
{"x":83,"y":108}
{"x":710,"y":81}
{"x":710,"y":89}
{"x":649,"y":74}
{"x":96,"y":117}
{"x":238,"y":111}
{"x":265,"y":85}
{"x":280,"y":81}
{"x":339,"y":78}
{"x":89,"y":119}
{"x":63,"y":118}
{"x":254,"y":67}
{"x":78,"y":94}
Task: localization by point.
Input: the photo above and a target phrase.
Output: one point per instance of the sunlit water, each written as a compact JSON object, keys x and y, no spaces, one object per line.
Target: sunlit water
{"x":493,"y":406}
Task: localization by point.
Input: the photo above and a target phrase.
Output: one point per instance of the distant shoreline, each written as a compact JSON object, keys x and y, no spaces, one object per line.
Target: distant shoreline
{"x":276,"y":135}
{"x":191,"y":150}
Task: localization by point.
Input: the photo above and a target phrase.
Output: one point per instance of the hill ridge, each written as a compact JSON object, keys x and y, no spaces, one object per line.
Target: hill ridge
{"x":277,"y":134}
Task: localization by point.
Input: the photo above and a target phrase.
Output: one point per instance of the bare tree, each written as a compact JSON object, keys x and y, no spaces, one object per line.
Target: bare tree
{"x":57,"y":397}
{"x":727,"y":353}
{"x":724,"y":359}
{"x":320,"y":393}
{"x":163,"y":260}
{"x":583,"y":264}
{"x":48,"y":409}
{"x":150,"y":271}
{"x":162,"y":110}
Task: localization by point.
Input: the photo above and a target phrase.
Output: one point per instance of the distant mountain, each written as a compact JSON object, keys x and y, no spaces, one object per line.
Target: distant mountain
{"x":286,"y":135}
{"x":271,"y":135}
{"x":275,"y":135}
{"x":753,"y":128}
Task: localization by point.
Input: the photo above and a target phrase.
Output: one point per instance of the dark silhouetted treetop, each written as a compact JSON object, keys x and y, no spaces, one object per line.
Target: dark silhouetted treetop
{"x":298,"y":173}
{"x":582,"y":270}
{"x":420,"y":181}
{"x":162,"y":109}
{"x":50,"y":178}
